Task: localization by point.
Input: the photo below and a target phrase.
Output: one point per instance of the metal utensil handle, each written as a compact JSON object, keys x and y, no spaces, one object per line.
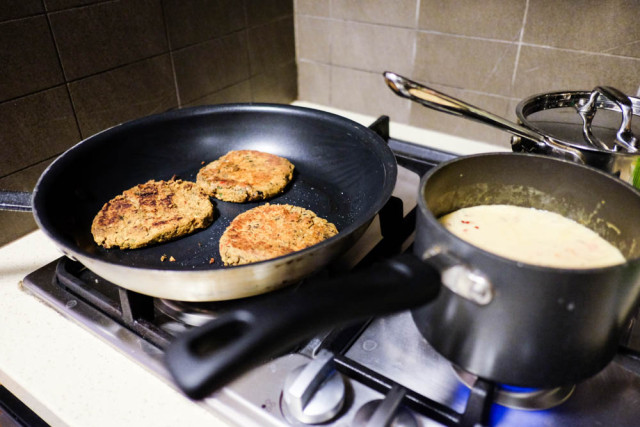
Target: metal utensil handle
{"x":15,"y":201}
{"x":624,"y":137}
{"x":439,"y":101}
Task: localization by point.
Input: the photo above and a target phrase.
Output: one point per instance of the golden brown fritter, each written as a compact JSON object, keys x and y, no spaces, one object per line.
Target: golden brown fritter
{"x":153,"y":212}
{"x":270,"y":231}
{"x":245,"y":175}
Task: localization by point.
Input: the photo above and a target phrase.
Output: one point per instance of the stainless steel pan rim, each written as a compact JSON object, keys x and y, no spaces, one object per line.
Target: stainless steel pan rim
{"x":216,"y":285}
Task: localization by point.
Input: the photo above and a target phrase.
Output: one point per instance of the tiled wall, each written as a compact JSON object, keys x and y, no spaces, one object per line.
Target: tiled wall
{"x":70,"y":68}
{"x":490,"y":53}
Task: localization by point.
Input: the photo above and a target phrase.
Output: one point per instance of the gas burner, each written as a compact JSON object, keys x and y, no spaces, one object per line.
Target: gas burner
{"x":532,"y":399}
{"x":182,"y":314}
{"x":199,"y":313}
{"x":192,"y":314}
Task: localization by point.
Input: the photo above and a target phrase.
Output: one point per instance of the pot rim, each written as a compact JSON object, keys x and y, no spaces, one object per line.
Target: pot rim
{"x":431,"y":218}
{"x":557,"y":99}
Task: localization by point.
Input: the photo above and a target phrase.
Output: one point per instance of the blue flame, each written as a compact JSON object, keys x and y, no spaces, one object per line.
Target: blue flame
{"x":516,"y":389}
{"x":503,"y":416}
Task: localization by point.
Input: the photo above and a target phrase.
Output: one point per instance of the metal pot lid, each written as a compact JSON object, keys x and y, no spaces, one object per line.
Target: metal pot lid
{"x":604,"y":119}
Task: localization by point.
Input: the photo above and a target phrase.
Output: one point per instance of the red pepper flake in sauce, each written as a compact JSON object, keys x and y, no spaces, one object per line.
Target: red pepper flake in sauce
{"x":163,"y":258}
{"x":172,"y":259}
{"x":211,"y":261}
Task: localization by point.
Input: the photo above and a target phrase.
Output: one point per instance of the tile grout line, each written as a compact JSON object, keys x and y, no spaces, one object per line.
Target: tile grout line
{"x":331,"y":64}
{"x":416,"y":21}
{"x":66,"y":82}
{"x":414,"y":55}
{"x":171,"y":58}
{"x":519,"y":48}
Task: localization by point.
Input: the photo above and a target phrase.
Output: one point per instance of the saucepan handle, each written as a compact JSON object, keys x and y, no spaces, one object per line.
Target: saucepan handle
{"x":206,"y":358}
{"x":15,"y":201}
{"x":439,"y":101}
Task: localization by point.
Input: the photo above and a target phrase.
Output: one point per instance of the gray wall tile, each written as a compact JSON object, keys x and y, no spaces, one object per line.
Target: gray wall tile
{"x":28,"y":57}
{"x":278,"y":85}
{"x":54,"y":5}
{"x":262,"y":11}
{"x":15,"y":225}
{"x":596,"y":26}
{"x":545,"y":70}
{"x":271,"y":45}
{"x":106,"y":35}
{"x":372,"y":47}
{"x":200,"y":20}
{"x":240,"y":92}
{"x":313,"y":7}
{"x":13,"y":9}
{"x":495,"y":19}
{"x":314,"y":82}
{"x":313,"y":39}
{"x":476,"y":64}
{"x":400,"y":13}
{"x":127,"y":93}
{"x":366,"y":92}
{"x":36,"y":127}
{"x":207,"y":67}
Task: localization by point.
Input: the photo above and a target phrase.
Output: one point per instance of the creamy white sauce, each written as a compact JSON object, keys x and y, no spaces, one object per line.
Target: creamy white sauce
{"x":532,"y":236}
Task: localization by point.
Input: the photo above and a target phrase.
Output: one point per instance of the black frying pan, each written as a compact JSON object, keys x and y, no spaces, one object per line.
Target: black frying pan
{"x":344,"y":172}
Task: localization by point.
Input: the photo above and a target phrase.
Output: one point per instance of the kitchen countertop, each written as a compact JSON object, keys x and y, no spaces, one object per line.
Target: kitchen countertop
{"x":69,"y":376}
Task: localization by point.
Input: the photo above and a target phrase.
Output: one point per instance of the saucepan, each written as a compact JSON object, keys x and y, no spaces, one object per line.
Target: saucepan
{"x":504,"y":320}
{"x":587,"y":127}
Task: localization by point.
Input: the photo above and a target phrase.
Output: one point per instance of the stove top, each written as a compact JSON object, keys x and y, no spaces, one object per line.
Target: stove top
{"x":368,"y":373}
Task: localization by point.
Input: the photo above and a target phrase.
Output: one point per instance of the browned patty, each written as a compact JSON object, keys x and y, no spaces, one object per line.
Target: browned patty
{"x":245,"y":175}
{"x":153,"y":212}
{"x":271,"y":231}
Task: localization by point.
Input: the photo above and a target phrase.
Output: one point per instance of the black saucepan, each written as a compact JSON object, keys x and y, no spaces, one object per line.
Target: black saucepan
{"x":344,"y":172}
{"x":506,"y":321}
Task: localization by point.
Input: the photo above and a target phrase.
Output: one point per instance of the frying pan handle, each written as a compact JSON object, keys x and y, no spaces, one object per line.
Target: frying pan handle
{"x":15,"y":201}
{"x":208,"y":357}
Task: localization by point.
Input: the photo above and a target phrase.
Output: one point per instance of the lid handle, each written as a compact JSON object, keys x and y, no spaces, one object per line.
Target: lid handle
{"x":624,"y":137}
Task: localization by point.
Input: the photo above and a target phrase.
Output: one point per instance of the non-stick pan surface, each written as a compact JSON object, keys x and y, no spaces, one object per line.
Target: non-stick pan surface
{"x":343,"y":171}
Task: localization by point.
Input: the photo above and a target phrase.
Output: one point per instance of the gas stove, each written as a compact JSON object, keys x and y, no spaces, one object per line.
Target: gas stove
{"x":376,"y":372}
